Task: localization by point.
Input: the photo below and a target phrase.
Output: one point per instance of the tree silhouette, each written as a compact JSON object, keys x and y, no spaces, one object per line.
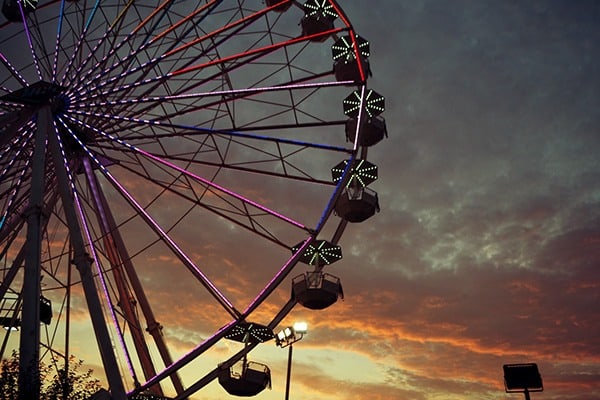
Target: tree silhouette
{"x":56,"y":383}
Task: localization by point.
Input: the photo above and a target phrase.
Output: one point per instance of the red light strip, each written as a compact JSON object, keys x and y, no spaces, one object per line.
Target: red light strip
{"x":255,"y":51}
{"x":223,"y":29}
{"x":340,"y":13}
{"x":179,"y":23}
{"x":149,"y":17}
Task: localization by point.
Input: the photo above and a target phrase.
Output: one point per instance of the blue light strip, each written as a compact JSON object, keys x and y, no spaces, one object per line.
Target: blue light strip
{"x":58,"y":35}
{"x":211,"y":131}
{"x":89,"y":21}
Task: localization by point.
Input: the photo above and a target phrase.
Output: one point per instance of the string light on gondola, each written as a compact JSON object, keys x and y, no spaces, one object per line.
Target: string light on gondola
{"x":315,"y":8}
{"x":250,"y":332}
{"x":319,"y":252}
{"x":362,"y":173}
{"x":373,"y":104}
{"x":343,"y":48}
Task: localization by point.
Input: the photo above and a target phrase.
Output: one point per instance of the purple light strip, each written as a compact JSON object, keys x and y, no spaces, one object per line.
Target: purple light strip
{"x":202,"y":347}
{"x":12,"y":70}
{"x":13,"y":160}
{"x":222,"y":189}
{"x":160,"y":231}
{"x":100,"y":272}
{"x":35,"y":61}
{"x":120,"y":88}
{"x":202,"y":180}
{"x":218,"y":93}
{"x":16,"y":145}
{"x":279,"y":277}
{"x":16,"y":186}
{"x":189,"y":357}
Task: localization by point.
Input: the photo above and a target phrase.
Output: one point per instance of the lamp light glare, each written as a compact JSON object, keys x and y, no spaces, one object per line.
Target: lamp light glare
{"x":301,"y":327}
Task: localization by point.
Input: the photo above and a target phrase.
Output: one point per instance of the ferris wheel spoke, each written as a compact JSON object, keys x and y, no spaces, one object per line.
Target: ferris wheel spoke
{"x":263,"y":50}
{"x":227,"y":305}
{"x":224,"y":191}
{"x":105,"y":41}
{"x":225,"y":198}
{"x":57,"y":46}
{"x":236,"y":214}
{"x":80,"y":41}
{"x":282,"y":107}
{"x":42,"y":43}
{"x":227,"y":93}
{"x":195,"y":130}
{"x":200,"y":13}
{"x":13,"y":71}
{"x":175,"y":51}
{"x":29,"y":40}
{"x":124,"y":63}
{"x":164,"y":236}
{"x":187,"y":68}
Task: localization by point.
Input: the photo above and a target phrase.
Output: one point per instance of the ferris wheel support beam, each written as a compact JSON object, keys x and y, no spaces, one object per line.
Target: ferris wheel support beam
{"x":29,"y":351}
{"x":153,"y":326}
{"x":119,"y":260}
{"x":125,"y":301}
{"x":83,"y":263}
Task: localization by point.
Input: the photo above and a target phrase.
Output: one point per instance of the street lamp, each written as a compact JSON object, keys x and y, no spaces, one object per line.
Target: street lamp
{"x":286,"y":338}
{"x":522,"y":378}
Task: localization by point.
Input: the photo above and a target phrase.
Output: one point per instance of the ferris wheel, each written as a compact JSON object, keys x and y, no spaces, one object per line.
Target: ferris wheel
{"x":164,"y":157}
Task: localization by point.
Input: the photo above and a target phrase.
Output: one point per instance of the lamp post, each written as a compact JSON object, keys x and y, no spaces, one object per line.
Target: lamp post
{"x":286,"y":338}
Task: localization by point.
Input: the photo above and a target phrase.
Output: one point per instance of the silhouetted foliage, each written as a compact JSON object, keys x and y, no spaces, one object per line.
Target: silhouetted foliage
{"x":57,"y":383}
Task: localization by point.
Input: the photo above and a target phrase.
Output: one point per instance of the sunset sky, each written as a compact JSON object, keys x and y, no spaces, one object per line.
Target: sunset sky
{"x":487,"y":247}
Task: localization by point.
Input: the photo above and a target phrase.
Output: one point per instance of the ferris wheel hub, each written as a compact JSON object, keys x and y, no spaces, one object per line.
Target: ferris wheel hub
{"x":36,"y":94}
